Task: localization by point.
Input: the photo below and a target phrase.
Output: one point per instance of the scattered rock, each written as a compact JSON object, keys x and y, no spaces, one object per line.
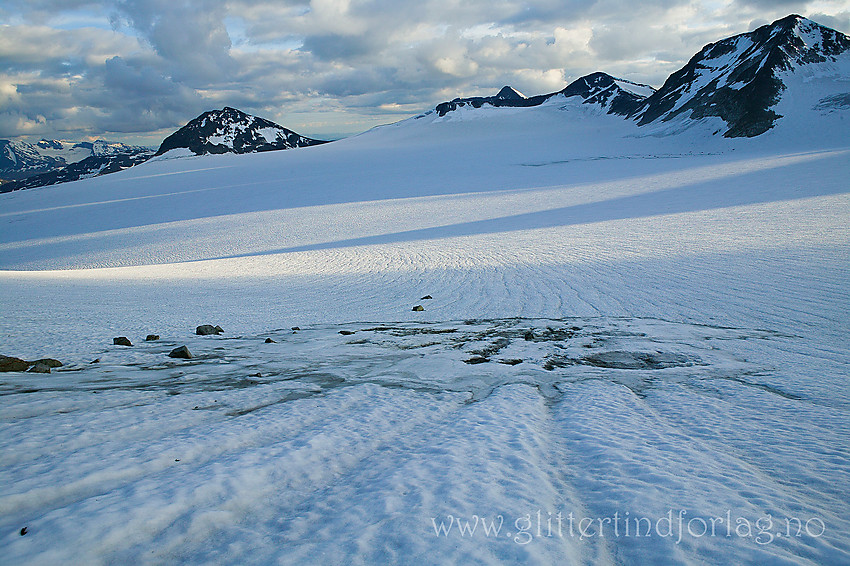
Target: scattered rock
{"x":9,"y":363}
{"x":477,"y":360}
{"x":426,"y":297}
{"x":95,"y":361}
{"x":181,"y":352}
{"x":38,"y":367}
{"x":511,"y":362}
{"x":528,"y":335}
{"x":296,"y":328}
{"x":151,"y":337}
{"x":270,"y":341}
{"x":258,"y":374}
{"x":121,"y":341}
{"x":418,"y":308}
{"x":49,"y":362}
{"x":346,"y":332}
{"x":208,"y":329}
{"x":219,"y":329}
{"x":24,"y":531}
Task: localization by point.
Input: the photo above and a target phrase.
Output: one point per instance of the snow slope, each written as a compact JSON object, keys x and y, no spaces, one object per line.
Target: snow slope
{"x":679,"y":304}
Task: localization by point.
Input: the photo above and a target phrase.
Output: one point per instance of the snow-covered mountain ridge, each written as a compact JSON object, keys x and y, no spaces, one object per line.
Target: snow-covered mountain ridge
{"x":232,"y":131}
{"x":740,"y":80}
{"x":616,"y":96}
{"x":20,"y":160}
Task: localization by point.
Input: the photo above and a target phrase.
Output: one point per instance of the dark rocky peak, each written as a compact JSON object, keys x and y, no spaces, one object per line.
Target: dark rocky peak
{"x":738,"y":79}
{"x":230,"y":130}
{"x":508,"y":93}
{"x":617,"y":96}
{"x":49,"y":144}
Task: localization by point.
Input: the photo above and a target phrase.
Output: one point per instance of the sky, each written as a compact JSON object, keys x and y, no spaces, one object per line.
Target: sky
{"x":136,"y":70}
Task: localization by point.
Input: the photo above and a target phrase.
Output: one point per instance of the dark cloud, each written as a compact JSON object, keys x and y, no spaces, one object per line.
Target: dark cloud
{"x":332,"y":47}
{"x":189,"y":35}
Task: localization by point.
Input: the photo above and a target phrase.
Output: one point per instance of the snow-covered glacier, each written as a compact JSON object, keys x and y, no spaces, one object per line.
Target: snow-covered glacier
{"x":634,"y":351}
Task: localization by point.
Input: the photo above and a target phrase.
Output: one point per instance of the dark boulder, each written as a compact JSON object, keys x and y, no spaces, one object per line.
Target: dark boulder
{"x":121,"y":341}
{"x":44,"y":365}
{"x":208,"y":329}
{"x":9,"y":363}
{"x":181,"y":352}
{"x":151,"y":337}
{"x":418,"y":308}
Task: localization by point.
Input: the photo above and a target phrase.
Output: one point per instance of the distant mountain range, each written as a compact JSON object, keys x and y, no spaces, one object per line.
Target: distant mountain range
{"x":739,"y":80}
{"x":21,"y":160}
{"x":618,"y":96}
{"x":219,"y":131}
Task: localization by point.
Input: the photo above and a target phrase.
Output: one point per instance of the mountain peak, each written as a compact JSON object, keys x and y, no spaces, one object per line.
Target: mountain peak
{"x":231,"y":130}
{"x":618,"y":96}
{"x":509,"y":93}
{"x":739,"y":79}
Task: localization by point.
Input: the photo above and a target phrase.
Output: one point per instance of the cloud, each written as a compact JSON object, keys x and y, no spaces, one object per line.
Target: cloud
{"x":142,"y":67}
{"x":839,"y":21}
{"x":189,"y":35}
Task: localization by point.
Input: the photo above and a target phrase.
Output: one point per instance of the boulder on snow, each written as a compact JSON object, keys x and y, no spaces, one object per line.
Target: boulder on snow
{"x":121,"y":341}
{"x":426,"y":297}
{"x":270,"y":341}
{"x":181,"y":352}
{"x":44,"y":365}
{"x":10,"y":363}
{"x":151,"y":337}
{"x":346,"y":332}
{"x":208,"y":329}
{"x":418,"y":308}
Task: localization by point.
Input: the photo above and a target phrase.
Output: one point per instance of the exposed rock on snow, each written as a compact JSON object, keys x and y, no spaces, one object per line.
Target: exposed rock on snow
{"x":181,"y":352}
{"x":151,"y":337}
{"x":121,"y":341}
{"x":39,"y":367}
{"x":208,"y":329}
{"x":10,"y":363}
